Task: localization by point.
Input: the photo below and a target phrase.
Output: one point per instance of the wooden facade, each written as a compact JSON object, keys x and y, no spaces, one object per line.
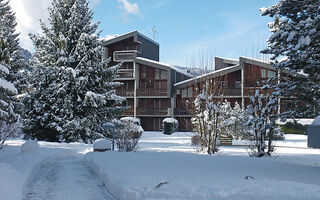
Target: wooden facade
{"x":147,"y":84}
{"x":155,"y":90}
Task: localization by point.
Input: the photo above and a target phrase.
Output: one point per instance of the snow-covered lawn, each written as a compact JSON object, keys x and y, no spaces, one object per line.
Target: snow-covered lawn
{"x":165,"y":167}
{"x":170,"y":163}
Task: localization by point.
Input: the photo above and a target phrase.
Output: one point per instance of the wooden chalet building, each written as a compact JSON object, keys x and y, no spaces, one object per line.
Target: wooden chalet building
{"x":148,"y":84}
{"x":155,"y":90}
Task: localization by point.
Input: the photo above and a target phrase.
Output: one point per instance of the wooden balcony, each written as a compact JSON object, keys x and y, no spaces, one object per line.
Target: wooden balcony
{"x":125,"y":93}
{"x":228,"y":92}
{"x":128,"y":112}
{"x":153,"y":111}
{"x":182,"y":112}
{"x":125,"y":56}
{"x":151,"y":92}
{"x":125,"y":75}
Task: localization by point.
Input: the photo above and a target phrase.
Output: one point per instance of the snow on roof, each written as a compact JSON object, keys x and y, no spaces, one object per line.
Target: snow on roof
{"x":111,"y":37}
{"x":226,"y":69}
{"x":166,"y":65}
{"x":255,"y":59}
{"x":107,"y":39}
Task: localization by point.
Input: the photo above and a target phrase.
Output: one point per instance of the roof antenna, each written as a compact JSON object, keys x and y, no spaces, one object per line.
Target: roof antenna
{"x":154,"y":32}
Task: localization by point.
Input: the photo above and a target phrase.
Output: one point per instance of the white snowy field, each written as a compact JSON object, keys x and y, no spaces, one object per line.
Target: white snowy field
{"x":171,"y":160}
{"x":167,"y":167}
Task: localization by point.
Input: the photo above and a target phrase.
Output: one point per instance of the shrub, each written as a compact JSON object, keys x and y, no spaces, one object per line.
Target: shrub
{"x":293,"y":128}
{"x":128,"y":134}
{"x":170,"y":125}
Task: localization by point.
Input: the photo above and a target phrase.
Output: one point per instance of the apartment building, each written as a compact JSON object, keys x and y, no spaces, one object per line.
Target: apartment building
{"x":148,"y":84}
{"x":156,"y":90}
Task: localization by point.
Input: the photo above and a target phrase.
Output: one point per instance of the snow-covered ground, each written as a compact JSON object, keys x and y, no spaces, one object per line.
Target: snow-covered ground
{"x":165,"y":167}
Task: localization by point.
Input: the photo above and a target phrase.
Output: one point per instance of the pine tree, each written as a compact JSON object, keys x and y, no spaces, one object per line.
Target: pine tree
{"x":295,"y":46}
{"x":11,"y":53}
{"x":73,"y":93}
{"x":9,"y":64}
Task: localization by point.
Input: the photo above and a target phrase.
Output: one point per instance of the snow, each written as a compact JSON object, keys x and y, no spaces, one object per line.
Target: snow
{"x":101,"y":144}
{"x":8,"y":86}
{"x":166,"y":65}
{"x":303,"y":41}
{"x":16,"y":168}
{"x":302,"y":121}
{"x":316,"y":121}
{"x":163,"y":170}
{"x":291,"y":36}
{"x":72,"y":71}
{"x":131,"y":119}
{"x":170,"y":120}
{"x":165,"y":167}
{"x":4,"y":69}
{"x":31,"y":146}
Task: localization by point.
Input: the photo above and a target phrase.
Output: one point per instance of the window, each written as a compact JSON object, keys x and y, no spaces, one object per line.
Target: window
{"x":263,"y":73}
{"x":238,"y":84}
{"x":160,"y":74}
{"x":157,"y":74}
{"x":164,"y":74}
{"x":143,"y":72}
{"x":271,"y":74}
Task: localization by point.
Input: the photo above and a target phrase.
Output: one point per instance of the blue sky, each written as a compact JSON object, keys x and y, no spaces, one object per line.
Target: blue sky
{"x":230,"y":28}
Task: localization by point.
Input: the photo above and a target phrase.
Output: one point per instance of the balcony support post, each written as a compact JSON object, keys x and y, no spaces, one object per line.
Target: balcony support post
{"x":136,"y":87}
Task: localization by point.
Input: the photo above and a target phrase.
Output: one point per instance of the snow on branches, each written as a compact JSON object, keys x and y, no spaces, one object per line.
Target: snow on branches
{"x":262,"y":112}
{"x":295,"y":46}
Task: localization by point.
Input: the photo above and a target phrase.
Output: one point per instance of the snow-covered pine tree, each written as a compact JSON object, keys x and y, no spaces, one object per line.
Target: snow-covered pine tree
{"x":295,"y":46}
{"x":9,"y":120}
{"x":10,"y":62}
{"x":73,"y":90}
{"x":11,"y":52}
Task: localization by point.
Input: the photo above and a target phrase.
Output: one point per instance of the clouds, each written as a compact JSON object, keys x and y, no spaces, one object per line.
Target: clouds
{"x":28,"y":14}
{"x":129,"y":8}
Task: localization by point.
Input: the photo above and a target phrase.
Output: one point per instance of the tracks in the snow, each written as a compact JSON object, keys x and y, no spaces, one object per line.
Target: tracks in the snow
{"x":64,"y":178}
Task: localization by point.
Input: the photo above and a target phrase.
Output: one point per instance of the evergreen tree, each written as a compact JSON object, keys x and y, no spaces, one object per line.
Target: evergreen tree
{"x":73,"y":93}
{"x":10,"y":62}
{"x":295,"y":46}
{"x":11,"y":53}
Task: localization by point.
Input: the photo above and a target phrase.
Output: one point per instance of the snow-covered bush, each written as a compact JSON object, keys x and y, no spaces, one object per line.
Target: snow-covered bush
{"x":170,"y":125}
{"x":206,"y":120}
{"x":102,"y":145}
{"x":30,"y":146}
{"x":8,"y":130}
{"x":233,"y":122}
{"x":128,"y":133}
{"x":262,"y":112}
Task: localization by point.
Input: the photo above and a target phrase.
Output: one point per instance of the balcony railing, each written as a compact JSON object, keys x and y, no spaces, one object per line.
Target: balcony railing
{"x":123,"y":56}
{"x":125,"y":93}
{"x":228,"y":92}
{"x":129,"y":112}
{"x":124,"y":75}
{"x":181,"y":111}
{"x":153,"y":111}
{"x":151,"y":92}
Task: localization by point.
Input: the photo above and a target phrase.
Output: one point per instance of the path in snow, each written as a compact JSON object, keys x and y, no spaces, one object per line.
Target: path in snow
{"x":64,"y":178}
